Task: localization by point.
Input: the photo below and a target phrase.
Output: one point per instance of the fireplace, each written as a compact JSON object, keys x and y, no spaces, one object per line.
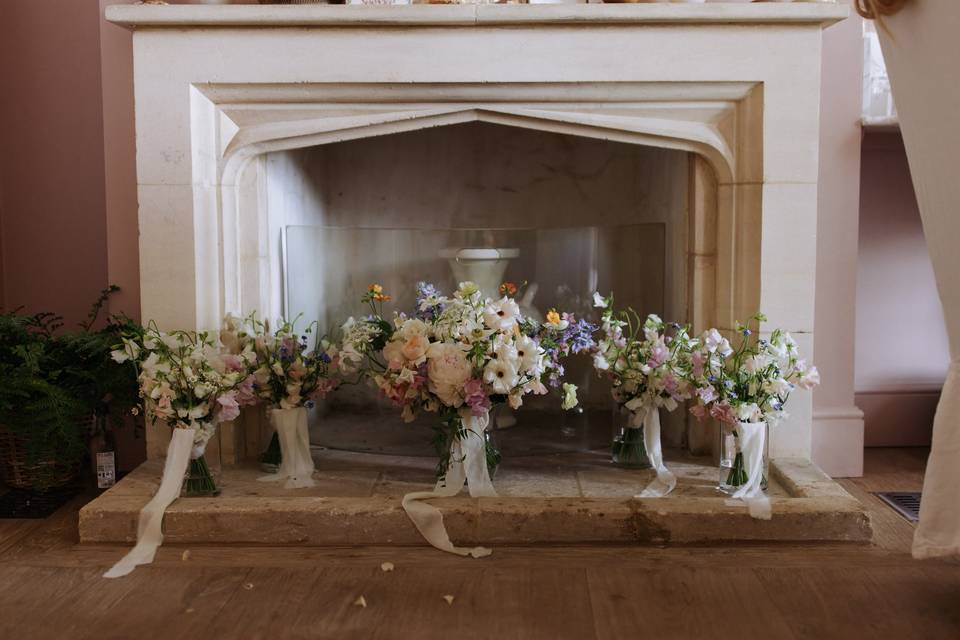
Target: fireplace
{"x":666,"y":152}
{"x":560,"y":215}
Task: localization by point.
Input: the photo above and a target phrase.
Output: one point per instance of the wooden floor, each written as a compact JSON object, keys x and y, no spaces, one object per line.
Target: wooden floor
{"x":51,"y":588}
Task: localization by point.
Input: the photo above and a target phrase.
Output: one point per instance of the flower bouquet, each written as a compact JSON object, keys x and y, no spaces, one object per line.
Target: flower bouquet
{"x":459,"y":357}
{"x":291,"y":375}
{"x":649,"y":369}
{"x":188,"y":384}
{"x":745,"y":389}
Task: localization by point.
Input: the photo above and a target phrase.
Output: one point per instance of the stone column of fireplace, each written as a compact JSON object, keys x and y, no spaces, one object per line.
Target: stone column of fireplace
{"x":737,"y":85}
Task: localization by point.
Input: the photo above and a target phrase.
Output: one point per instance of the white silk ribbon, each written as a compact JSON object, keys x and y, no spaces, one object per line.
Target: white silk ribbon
{"x":752,"y":436}
{"x":665,"y":482}
{"x":296,"y":464}
{"x":149,"y":527}
{"x":468,"y":464}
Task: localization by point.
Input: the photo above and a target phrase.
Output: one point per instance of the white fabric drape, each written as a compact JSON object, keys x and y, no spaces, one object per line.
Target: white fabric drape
{"x":752,"y":437}
{"x":468,"y":464}
{"x":296,"y":463}
{"x":149,"y":527}
{"x":921,"y":52}
{"x":665,"y":481}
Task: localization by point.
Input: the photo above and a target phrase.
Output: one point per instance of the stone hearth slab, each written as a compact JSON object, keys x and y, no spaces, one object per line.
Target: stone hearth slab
{"x":558,"y":499}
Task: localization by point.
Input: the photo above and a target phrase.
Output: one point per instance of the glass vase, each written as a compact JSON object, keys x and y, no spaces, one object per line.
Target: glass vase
{"x":628,"y":449}
{"x":492,"y":452}
{"x":451,"y":428}
{"x":733,"y":464}
{"x":199,"y":481}
{"x":271,"y":458}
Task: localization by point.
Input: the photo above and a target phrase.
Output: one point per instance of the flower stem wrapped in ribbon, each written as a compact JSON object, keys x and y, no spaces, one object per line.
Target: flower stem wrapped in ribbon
{"x":648,"y":363}
{"x":459,"y":356}
{"x":187,"y":383}
{"x":290,"y":377}
{"x":746,"y":389}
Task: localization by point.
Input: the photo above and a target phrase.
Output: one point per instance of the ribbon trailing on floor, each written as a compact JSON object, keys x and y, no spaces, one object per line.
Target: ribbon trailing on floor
{"x":468,"y":464}
{"x":296,"y":463}
{"x":752,"y":436}
{"x":150,"y":525}
{"x":665,"y":481}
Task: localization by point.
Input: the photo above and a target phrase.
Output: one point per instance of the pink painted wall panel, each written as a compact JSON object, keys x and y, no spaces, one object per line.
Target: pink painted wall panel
{"x":901,"y":346}
{"x":51,"y":167}
{"x":120,"y":164}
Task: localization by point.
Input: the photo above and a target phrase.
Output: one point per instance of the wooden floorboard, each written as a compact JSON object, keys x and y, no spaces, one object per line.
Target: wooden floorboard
{"x":51,"y":587}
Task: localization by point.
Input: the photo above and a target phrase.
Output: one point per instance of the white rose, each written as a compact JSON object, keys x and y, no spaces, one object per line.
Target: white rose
{"x":447,"y":370}
{"x":414,"y":327}
{"x":415,"y":348}
{"x":393,"y":354}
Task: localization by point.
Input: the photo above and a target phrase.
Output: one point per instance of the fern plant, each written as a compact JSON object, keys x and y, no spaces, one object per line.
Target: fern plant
{"x":58,"y":388}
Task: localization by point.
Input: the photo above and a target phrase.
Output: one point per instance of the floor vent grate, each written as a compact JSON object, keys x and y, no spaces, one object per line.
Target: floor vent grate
{"x":906,"y":503}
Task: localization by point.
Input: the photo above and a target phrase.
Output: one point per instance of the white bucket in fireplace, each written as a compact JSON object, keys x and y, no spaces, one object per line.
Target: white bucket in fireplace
{"x":485,"y":267}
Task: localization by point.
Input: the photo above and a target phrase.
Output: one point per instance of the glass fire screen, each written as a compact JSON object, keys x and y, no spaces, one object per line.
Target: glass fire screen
{"x":327,"y":270}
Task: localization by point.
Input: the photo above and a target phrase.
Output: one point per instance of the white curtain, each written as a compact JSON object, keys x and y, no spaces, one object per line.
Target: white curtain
{"x":922,"y":52}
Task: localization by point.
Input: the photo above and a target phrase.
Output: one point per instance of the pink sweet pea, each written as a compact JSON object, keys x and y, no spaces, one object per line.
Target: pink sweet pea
{"x":724,"y":413}
{"x":658,"y":354}
{"x":698,"y":359}
{"x":699,"y":411}
{"x":475,"y":397}
{"x":229,"y":408}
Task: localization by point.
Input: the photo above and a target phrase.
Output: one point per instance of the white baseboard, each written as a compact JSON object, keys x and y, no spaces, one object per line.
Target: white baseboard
{"x":837,"y":441}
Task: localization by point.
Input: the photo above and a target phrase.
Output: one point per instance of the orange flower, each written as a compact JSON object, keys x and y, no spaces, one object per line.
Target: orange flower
{"x":375,"y":291}
{"x":553,"y":317}
{"x":508,"y":289}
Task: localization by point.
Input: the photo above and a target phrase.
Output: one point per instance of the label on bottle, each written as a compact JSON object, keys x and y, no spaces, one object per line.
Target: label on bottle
{"x":106,"y":470}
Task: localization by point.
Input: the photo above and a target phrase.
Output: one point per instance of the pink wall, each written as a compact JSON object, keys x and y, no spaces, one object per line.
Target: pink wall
{"x":52,"y":165}
{"x":901,"y":348}
{"x":68,"y":187}
{"x":120,"y":164}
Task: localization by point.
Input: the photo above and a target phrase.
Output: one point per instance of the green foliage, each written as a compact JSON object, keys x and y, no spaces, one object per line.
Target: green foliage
{"x":58,"y":388}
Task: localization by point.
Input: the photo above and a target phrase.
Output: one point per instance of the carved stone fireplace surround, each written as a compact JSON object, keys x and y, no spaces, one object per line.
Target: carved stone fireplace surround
{"x":736,"y":85}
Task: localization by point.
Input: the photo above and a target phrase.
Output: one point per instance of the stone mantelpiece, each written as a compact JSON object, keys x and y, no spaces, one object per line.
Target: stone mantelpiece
{"x":735,"y":85}
{"x":152,"y":16}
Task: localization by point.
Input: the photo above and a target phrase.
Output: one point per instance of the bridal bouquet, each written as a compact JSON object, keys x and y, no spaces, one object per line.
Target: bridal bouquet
{"x":648,"y":363}
{"x":188,"y":383}
{"x":460,"y":356}
{"x":291,"y":374}
{"x":745,"y":389}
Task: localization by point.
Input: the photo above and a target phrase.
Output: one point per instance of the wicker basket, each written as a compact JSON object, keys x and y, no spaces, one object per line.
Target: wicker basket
{"x":18,"y":472}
